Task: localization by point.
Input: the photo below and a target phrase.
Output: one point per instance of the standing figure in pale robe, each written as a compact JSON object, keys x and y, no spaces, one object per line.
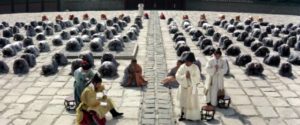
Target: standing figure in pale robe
{"x":216,"y":67}
{"x":188,"y":77}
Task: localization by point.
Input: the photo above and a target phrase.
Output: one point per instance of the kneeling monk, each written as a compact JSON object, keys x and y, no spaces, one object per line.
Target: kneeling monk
{"x":171,"y":77}
{"x":133,"y":75}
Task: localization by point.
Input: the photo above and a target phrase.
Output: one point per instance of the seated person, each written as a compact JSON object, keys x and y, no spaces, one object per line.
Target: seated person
{"x":249,"y":20}
{"x":222,"y":17}
{"x":89,"y":102}
{"x":203,"y":17}
{"x":261,"y":21}
{"x":238,"y":18}
{"x":170,"y":79}
{"x":202,"y":20}
{"x":133,"y":75}
{"x":82,"y":75}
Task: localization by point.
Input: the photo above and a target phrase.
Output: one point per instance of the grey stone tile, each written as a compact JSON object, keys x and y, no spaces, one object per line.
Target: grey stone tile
{"x":240,"y":100}
{"x":260,"y":101}
{"x":292,"y":121}
{"x":277,"y":101}
{"x":30,"y":114}
{"x":232,"y":121}
{"x":33,"y":90}
{"x":21,"y":122}
{"x":287,"y":93}
{"x":253,"y":92}
{"x":26,"y":98}
{"x":9,"y":99}
{"x":45,"y":119}
{"x":54,"y":109}
{"x":2,"y":107}
{"x":294,"y":101}
{"x":286,"y":112}
{"x":130,"y":112}
{"x":276,"y":122}
{"x":247,"y":110}
{"x":256,"y":121}
{"x":49,"y":91}
{"x":234,"y":91}
{"x":65,"y":120}
{"x":267,"y":112}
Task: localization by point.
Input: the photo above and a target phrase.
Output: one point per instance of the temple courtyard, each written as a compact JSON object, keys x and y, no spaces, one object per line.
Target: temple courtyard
{"x":35,"y":99}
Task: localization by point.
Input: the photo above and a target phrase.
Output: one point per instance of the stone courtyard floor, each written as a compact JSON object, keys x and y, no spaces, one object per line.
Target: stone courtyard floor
{"x":33,"y":99}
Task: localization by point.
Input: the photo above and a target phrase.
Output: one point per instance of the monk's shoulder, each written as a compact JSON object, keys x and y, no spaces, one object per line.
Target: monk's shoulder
{"x":194,"y":66}
{"x":224,"y":60}
{"x":86,"y":90}
{"x":77,"y":71}
{"x":210,"y":60}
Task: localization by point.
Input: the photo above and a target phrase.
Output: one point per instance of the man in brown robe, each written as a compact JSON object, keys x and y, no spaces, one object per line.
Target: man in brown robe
{"x":133,"y":75}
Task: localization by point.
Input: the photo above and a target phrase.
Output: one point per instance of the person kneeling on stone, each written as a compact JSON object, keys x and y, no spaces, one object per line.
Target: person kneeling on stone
{"x":133,"y":75}
{"x":89,"y":101}
{"x":214,"y":86}
{"x":82,"y":75}
{"x":171,"y":77}
{"x":188,"y":77}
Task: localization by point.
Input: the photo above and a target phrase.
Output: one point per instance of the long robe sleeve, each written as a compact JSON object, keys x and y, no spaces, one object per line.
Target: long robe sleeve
{"x":210,"y":69}
{"x":222,"y":71}
{"x":181,"y":76}
{"x":223,"y":68}
{"x":195,"y":76}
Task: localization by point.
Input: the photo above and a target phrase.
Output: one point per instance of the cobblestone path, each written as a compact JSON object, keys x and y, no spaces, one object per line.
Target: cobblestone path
{"x":156,"y":105}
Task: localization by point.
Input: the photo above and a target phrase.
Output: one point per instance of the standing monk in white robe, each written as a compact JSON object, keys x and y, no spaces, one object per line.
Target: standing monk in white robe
{"x":188,"y":77}
{"x":216,"y":67}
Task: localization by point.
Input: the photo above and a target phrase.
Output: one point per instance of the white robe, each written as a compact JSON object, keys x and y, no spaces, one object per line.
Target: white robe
{"x":187,"y":92}
{"x":215,"y":79}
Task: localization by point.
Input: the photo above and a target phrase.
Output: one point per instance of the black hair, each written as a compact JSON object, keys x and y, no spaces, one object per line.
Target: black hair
{"x":133,"y":61}
{"x":85,"y":65}
{"x":96,"y":79}
{"x":180,"y":61}
{"x":218,"y":51}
